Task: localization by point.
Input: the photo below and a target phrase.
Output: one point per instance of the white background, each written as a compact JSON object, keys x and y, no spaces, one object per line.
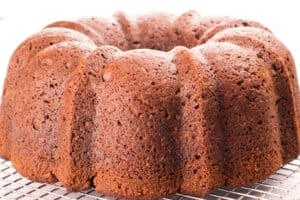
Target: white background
{"x":25,"y":17}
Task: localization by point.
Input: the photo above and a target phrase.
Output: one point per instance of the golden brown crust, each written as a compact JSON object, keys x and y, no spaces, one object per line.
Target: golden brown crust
{"x":200,"y":134}
{"x":281,"y":66}
{"x":136,"y":127}
{"x":20,"y":59}
{"x":230,"y":23}
{"x":248,"y":112}
{"x":109,"y":30}
{"x":85,"y":105}
{"x":34,"y":136}
{"x":82,"y":28}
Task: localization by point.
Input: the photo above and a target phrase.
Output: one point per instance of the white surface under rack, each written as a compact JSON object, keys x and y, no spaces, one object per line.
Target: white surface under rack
{"x":284,"y":184}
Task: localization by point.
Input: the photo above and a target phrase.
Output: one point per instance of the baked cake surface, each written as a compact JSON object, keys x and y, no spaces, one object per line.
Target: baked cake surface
{"x":143,"y":107}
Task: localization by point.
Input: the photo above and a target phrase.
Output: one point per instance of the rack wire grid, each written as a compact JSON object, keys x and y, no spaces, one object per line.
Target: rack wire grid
{"x":284,"y":184}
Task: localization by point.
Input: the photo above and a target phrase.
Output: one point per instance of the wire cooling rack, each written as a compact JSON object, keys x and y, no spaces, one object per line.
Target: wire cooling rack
{"x":284,"y":184}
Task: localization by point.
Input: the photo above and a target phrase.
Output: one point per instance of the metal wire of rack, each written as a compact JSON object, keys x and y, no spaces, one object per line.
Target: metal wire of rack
{"x":284,"y":184}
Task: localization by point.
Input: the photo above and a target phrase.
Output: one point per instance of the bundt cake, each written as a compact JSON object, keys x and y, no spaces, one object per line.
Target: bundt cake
{"x":145,"y":107}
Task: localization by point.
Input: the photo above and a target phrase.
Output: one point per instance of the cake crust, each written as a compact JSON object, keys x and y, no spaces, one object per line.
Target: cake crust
{"x":144,"y":107}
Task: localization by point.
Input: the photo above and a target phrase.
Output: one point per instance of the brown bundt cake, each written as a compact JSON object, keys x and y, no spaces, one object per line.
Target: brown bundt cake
{"x":148,"y":106}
